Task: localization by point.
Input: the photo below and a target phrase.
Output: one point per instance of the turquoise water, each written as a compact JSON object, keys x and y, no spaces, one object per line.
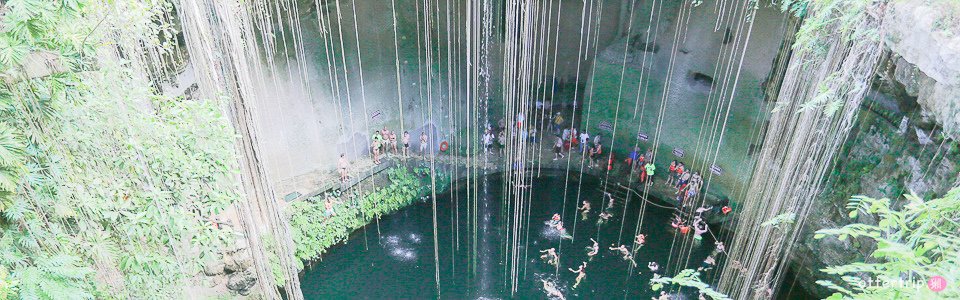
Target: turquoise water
{"x":396,"y":259}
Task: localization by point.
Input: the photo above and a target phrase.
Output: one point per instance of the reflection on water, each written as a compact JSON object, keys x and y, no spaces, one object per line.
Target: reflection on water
{"x":402,"y":248}
{"x":400,"y":262}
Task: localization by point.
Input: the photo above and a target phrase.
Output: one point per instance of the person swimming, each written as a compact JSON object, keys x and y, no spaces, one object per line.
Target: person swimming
{"x":653,"y":266}
{"x":677,"y":221}
{"x":552,"y":290}
{"x":604,"y":216}
{"x":593,"y":249}
{"x":581,"y":273}
{"x":553,"y":220}
{"x":699,"y":228}
{"x":663,"y":296}
{"x":563,"y":231}
{"x":708,"y":264}
{"x":550,"y":256}
{"x":625,"y":252}
{"x":584,"y":210}
{"x":640,"y":239}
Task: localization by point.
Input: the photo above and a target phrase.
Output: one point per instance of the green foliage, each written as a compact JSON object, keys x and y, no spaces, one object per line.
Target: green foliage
{"x":687,"y":278}
{"x":913,"y":243}
{"x":780,"y":220}
{"x":798,"y":8}
{"x":276,"y":269}
{"x":57,"y":277}
{"x":314,"y":229}
{"x":8,"y":286}
{"x":107,"y":188}
{"x":831,"y":19}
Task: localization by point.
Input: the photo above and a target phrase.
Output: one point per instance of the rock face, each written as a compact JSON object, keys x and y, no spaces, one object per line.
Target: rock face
{"x":893,"y":150}
{"x":924,"y":35}
{"x":879,"y":161}
{"x":241,"y":282}
{"x":918,"y":92}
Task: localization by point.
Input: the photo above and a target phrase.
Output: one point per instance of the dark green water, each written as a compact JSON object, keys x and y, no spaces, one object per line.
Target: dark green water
{"x":399,"y":263}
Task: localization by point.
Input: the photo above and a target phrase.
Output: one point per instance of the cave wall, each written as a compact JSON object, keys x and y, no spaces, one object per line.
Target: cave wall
{"x":702,"y":71}
{"x":905,"y":138}
{"x":309,"y":117}
{"x":304,"y":125}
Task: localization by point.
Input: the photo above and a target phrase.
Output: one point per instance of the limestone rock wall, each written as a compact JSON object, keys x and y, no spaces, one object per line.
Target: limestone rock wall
{"x":897,"y":147}
{"x":926,"y":37}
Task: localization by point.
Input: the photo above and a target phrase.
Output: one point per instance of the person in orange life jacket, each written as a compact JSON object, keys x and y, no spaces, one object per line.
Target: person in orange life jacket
{"x":678,"y":175}
{"x":671,"y":178}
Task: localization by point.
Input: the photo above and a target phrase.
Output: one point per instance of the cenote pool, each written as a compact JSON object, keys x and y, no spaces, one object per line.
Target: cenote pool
{"x":399,"y":261}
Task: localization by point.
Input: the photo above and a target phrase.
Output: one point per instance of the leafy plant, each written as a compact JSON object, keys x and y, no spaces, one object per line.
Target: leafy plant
{"x":687,"y":278}
{"x":913,"y":243}
{"x":107,"y":188}
{"x":315,"y":229}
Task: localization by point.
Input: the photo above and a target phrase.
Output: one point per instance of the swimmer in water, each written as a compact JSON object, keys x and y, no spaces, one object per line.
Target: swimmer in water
{"x":593,"y":249}
{"x":550,"y":256}
{"x":581,"y":273}
{"x":604,"y":216}
{"x":563,"y":231}
{"x":699,"y":228}
{"x":677,"y":222}
{"x":653,"y":266}
{"x":640,"y":239}
{"x":663,"y":296}
{"x":553,"y":220}
{"x":552,"y":290}
{"x":584,"y":210}
{"x":623,"y":251}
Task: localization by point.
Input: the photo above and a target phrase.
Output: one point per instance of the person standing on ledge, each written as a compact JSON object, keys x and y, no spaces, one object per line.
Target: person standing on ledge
{"x":342,"y":166}
{"x":393,"y":141}
{"x":377,"y":143}
{"x":670,"y":175}
{"x":650,"y":168}
{"x":423,"y":143}
{"x":584,"y":141}
{"x":557,"y":122}
{"x":558,"y":149}
{"x":406,"y":143}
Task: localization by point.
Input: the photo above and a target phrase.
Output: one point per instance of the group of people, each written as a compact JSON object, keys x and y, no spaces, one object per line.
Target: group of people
{"x":686,"y":183}
{"x":571,"y":138}
{"x":551,"y":257}
{"x":698,"y":227}
{"x":498,"y":135}
{"x":385,"y":140}
{"x":642,"y":165}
